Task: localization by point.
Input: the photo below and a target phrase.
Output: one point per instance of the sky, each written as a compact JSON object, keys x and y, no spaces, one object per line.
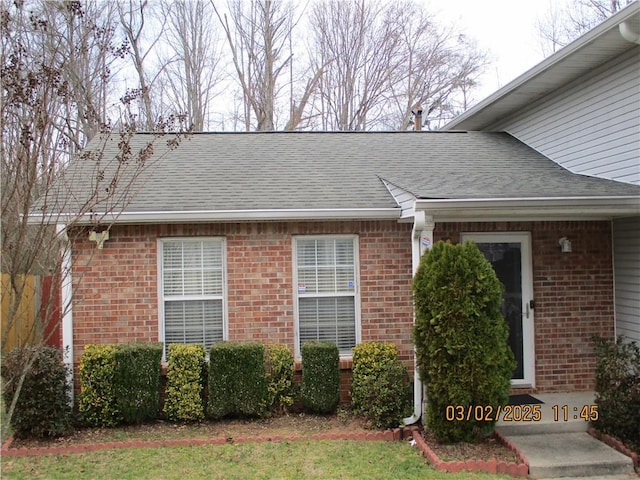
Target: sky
{"x":504,"y":28}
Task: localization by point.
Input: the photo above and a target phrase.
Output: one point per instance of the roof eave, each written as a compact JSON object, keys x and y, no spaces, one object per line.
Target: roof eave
{"x":530,"y":209}
{"x":219,"y":216}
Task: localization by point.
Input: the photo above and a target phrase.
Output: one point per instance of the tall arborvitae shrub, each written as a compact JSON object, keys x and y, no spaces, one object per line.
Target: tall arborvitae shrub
{"x":320,"y":389}
{"x":618,"y":390}
{"x":42,"y":408}
{"x":237,"y":380}
{"x":184,"y":400}
{"x":461,"y":340}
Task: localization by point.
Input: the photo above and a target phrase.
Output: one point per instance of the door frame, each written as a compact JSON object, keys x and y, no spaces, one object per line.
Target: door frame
{"x":528,"y":326}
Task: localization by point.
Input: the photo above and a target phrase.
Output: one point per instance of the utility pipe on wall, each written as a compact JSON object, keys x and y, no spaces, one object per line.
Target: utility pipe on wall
{"x":421,"y":241}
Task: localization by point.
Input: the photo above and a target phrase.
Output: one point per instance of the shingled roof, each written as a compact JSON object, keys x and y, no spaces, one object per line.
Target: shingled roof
{"x":337,"y":170}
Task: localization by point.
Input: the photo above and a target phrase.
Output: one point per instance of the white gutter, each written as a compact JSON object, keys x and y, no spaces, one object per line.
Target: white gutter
{"x":66,"y":293}
{"x":542,"y":208}
{"x":421,"y":241}
{"x":199,"y":216}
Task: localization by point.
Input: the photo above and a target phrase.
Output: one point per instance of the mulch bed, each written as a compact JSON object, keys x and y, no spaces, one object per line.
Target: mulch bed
{"x":487,"y":449}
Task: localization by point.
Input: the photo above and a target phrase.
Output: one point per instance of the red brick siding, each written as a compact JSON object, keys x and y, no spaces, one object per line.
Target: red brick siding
{"x":573,"y":294}
{"x":116,"y":288}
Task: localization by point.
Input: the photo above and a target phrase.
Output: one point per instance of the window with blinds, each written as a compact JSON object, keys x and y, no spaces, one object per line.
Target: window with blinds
{"x":326,"y":286}
{"x":192,"y":290}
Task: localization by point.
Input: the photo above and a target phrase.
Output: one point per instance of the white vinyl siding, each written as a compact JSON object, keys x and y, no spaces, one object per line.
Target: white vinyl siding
{"x":626,"y":257}
{"x":592,"y":125}
{"x":326,"y":286}
{"x":192,"y":291}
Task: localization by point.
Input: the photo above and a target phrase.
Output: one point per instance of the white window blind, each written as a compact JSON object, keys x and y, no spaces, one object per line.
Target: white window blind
{"x":326,"y":277}
{"x":193,"y":288}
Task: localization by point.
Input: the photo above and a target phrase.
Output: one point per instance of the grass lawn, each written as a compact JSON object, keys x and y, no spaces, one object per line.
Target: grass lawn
{"x":305,"y":459}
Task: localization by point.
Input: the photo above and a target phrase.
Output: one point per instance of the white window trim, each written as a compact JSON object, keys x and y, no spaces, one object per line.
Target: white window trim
{"x":356,"y":293}
{"x":160,"y":284}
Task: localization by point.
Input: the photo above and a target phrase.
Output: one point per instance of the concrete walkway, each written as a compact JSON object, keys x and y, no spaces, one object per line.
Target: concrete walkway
{"x":554,"y":438}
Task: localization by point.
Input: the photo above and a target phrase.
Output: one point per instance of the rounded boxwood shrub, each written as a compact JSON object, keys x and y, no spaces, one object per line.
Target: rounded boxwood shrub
{"x":380,"y":388}
{"x":320,"y":389}
{"x":42,"y":408}
{"x":461,"y":338}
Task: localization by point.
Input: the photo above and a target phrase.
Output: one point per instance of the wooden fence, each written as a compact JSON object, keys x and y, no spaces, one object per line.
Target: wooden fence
{"x":40,"y":300}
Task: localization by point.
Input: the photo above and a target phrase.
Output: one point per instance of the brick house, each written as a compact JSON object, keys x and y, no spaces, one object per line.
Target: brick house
{"x":285,"y":237}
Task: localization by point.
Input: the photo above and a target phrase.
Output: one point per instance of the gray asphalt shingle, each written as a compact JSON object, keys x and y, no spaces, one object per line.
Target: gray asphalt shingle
{"x":318,"y":170}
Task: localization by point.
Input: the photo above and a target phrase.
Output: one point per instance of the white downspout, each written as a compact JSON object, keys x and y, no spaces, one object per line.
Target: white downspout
{"x":421,"y":241}
{"x":66,"y":293}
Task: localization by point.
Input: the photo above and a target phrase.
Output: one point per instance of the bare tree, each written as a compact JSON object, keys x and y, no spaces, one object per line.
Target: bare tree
{"x":439,"y":68}
{"x":259,"y":35}
{"x":357,"y":43}
{"x":193,"y":69}
{"x":42,"y":210}
{"x":136,"y":22}
{"x":561,"y":25}
{"x":382,"y":60}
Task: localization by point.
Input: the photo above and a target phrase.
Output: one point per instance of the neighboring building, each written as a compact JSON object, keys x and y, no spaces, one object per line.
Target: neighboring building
{"x":581,"y":108}
{"x":286,"y":237}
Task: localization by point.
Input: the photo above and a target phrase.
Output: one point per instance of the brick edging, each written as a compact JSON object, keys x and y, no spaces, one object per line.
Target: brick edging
{"x":617,"y":445}
{"x":387,"y":435}
{"x":520,"y":469}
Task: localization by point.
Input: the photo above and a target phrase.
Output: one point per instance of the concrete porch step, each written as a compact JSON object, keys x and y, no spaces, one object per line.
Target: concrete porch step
{"x":559,"y":413}
{"x":574,"y":454}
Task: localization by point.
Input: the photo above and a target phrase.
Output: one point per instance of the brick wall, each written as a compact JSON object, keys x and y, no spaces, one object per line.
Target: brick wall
{"x":573,"y":294}
{"x":116,"y":288}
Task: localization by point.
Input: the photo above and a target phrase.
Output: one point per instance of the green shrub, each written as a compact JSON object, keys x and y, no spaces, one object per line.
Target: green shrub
{"x":618,"y":390}
{"x":237,"y":380}
{"x":185,"y":383}
{"x":461,"y":338}
{"x":137,"y":380}
{"x":98,"y":403}
{"x":120,"y":383}
{"x":279,"y":369}
{"x":320,"y":377}
{"x":42,"y":408}
{"x":380,"y":389}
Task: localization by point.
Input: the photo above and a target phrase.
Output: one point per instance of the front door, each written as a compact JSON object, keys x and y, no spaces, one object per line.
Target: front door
{"x":510,"y":255}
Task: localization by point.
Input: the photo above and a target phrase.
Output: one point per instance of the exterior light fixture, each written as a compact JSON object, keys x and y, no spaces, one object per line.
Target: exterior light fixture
{"x":565,"y":245}
{"x":99,"y":237}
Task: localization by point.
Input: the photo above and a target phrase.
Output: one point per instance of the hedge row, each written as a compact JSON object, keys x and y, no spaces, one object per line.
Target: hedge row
{"x":120,"y":384}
